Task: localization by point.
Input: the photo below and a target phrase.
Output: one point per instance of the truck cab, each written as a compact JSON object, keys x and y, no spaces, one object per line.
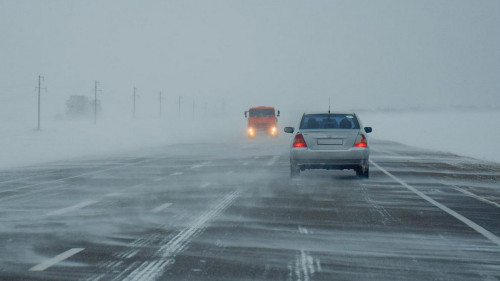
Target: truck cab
{"x":262,"y":120}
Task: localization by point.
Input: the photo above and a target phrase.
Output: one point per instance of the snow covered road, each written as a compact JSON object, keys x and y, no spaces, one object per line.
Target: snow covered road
{"x":229,"y":211}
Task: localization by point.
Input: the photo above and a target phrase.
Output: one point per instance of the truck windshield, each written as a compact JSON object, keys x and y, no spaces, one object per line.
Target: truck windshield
{"x":329,"y":121}
{"x":261,"y":112}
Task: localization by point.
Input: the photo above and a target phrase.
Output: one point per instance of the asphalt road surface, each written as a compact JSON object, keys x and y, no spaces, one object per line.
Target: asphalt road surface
{"x":229,"y":211}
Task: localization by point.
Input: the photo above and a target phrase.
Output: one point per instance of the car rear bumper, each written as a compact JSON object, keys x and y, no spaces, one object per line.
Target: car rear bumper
{"x":306,"y":158}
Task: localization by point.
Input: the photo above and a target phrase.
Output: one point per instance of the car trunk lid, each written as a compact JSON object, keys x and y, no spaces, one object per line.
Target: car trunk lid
{"x":331,"y":139}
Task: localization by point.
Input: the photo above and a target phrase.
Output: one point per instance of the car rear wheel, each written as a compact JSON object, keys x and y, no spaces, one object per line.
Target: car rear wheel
{"x":366,"y":173}
{"x":363,"y":172}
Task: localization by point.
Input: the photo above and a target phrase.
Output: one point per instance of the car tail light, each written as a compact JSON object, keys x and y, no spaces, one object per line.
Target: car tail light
{"x":299,"y":141}
{"x":273,"y":131}
{"x":361,"y":141}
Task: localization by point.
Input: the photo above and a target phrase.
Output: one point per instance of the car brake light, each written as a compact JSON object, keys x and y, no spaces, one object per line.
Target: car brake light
{"x":299,"y":141}
{"x":361,"y":141}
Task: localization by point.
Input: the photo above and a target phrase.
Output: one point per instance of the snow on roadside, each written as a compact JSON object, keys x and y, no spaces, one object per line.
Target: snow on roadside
{"x":22,"y":145}
{"x":470,"y":133}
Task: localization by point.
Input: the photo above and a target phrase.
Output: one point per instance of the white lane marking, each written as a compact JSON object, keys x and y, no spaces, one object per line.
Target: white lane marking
{"x":318,"y":265}
{"x":176,"y":174}
{"x":304,"y":268}
{"x":205,"y":185}
{"x":131,"y":254}
{"x":475,"y":196}
{"x":196,"y":166}
{"x":305,"y":265}
{"x":303,"y":230}
{"x":161,"y":207}
{"x":152,"y":270}
{"x":149,"y":270}
{"x":493,"y":238}
{"x":46,"y":264}
{"x":71,"y":208}
{"x":273,"y":160}
{"x":158,"y":179}
{"x":97,"y":278}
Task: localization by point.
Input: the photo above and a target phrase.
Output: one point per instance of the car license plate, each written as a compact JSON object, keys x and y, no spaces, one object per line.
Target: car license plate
{"x":330,"y":141}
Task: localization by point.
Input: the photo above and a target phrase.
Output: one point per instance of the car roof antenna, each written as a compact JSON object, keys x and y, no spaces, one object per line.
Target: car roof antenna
{"x":328,"y":105}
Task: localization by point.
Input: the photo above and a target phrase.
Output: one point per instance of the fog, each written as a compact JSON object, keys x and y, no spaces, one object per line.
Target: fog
{"x":211,"y":60}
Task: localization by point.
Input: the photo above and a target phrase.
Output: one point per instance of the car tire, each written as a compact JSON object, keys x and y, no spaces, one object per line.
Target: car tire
{"x":363,"y":172}
{"x":359,"y":171}
{"x":294,"y":171}
{"x":366,"y":173}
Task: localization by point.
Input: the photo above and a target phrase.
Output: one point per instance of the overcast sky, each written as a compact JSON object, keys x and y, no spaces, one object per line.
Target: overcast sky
{"x":292,"y":54}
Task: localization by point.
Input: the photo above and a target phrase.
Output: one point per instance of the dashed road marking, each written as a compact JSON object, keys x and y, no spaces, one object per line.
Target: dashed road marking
{"x":161,"y":207}
{"x":153,"y":269}
{"x":176,"y":174}
{"x":205,"y":185}
{"x":196,"y":166}
{"x":304,"y":268}
{"x":303,"y":230}
{"x":492,"y":237}
{"x":71,"y":208}
{"x":46,"y":264}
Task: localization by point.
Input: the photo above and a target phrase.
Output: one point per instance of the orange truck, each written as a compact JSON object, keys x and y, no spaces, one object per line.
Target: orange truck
{"x":262,"y":119}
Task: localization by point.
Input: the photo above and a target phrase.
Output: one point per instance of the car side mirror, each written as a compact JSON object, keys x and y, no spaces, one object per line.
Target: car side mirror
{"x":368,"y":130}
{"x":246,"y":114}
{"x":289,"y":130}
{"x":278,"y":114}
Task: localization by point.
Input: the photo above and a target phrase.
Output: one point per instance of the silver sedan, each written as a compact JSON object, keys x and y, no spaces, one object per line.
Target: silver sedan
{"x":330,"y":141}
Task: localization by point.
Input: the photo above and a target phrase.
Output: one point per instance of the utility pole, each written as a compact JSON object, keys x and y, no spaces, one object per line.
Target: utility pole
{"x":40,"y":78}
{"x":161,"y":99}
{"x":135,"y":89}
{"x":95,"y":101}
{"x":179,"y":104}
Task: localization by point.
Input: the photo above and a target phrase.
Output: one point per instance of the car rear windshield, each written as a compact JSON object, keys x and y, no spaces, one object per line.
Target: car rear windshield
{"x":261,"y":112}
{"x":329,"y":121}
